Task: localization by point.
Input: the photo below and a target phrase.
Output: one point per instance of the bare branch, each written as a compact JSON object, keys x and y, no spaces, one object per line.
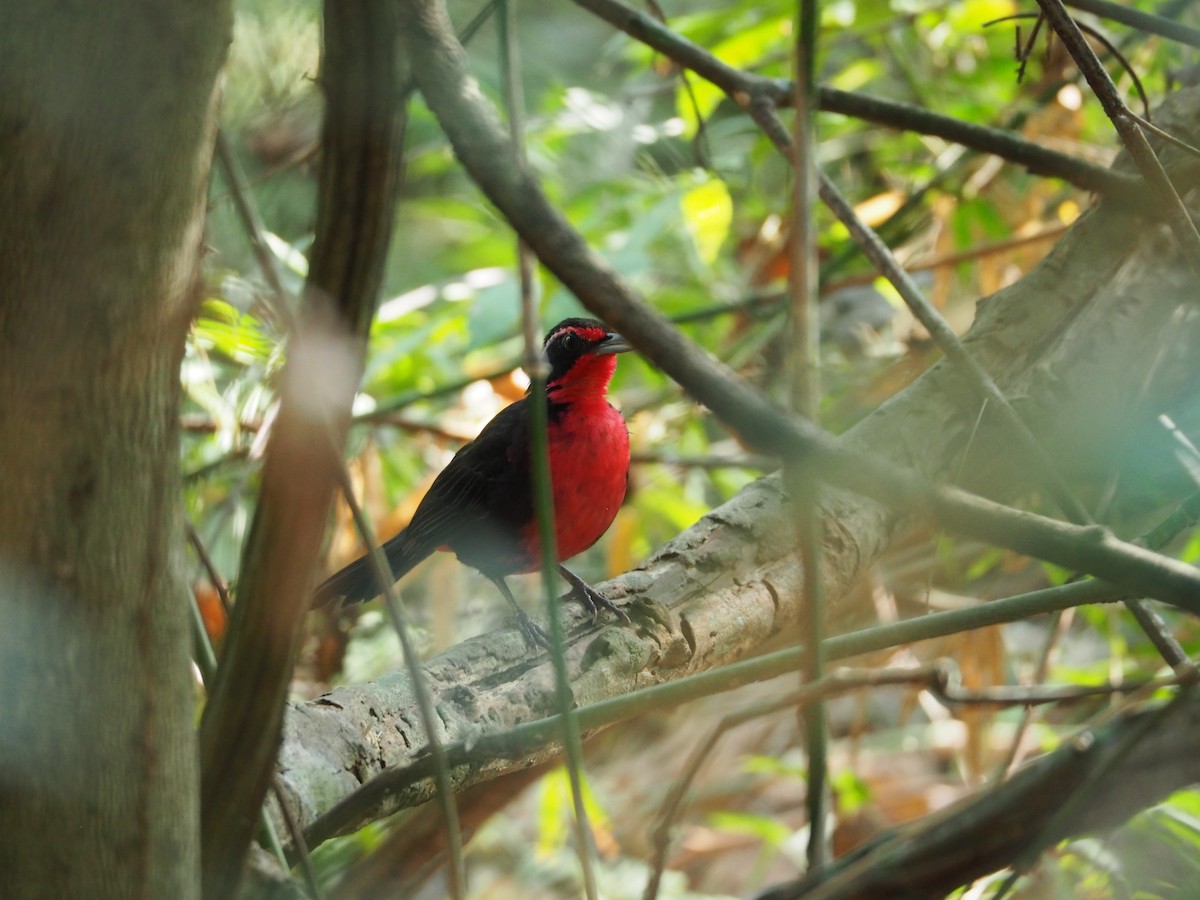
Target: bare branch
{"x":1136,"y":143}
{"x":988,"y":831}
{"x":747,"y":89}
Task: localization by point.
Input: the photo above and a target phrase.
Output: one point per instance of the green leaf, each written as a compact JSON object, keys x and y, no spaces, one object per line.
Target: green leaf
{"x":852,"y":792}
{"x":556,"y":809}
{"x":707,"y":214}
{"x":770,"y":831}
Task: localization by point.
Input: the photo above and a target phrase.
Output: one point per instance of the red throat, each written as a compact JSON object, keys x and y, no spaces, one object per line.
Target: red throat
{"x":588,"y":379}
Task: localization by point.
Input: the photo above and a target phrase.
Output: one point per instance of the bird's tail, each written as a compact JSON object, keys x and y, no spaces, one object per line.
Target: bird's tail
{"x":356,"y":582}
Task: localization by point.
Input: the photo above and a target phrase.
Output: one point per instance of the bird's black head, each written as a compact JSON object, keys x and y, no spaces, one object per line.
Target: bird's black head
{"x":574,"y":339}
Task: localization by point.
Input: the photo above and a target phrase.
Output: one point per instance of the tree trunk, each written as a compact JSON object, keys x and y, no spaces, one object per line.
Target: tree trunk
{"x":106,"y":127}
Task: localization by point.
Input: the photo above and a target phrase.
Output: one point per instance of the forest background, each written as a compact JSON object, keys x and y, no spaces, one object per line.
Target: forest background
{"x":166,"y":333}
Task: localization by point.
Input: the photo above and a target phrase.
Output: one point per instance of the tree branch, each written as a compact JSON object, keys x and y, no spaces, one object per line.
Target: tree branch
{"x":1158,"y":183}
{"x":746,"y":88}
{"x":1127,"y":766}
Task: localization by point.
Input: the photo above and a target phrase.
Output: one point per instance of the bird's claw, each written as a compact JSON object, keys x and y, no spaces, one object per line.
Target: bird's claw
{"x":591,"y":599}
{"x":534,"y":634}
{"x":596,"y":602}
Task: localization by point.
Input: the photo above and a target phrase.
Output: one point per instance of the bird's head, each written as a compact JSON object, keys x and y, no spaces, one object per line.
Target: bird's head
{"x":582,"y":357}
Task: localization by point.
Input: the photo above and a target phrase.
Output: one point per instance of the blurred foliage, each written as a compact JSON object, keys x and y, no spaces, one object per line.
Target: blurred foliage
{"x":673,"y":185}
{"x":1155,"y":855}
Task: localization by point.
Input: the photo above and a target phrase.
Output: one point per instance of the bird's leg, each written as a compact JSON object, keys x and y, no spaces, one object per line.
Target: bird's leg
{"x":592,"y":600}
{"x":534,"y":635}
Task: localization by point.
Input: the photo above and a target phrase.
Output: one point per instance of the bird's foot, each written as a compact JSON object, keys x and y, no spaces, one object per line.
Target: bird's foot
{"x":535,"y":636}
{"x":593,"y":601}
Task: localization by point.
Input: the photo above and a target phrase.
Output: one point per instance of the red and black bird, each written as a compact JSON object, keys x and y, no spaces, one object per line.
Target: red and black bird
{"x":481,"y":505}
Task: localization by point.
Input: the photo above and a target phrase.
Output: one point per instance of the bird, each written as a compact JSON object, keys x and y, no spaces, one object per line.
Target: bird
{"x":481,"y":507}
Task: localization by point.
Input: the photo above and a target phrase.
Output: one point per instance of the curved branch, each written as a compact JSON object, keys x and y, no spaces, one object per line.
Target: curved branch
{"x":1129,"y":765}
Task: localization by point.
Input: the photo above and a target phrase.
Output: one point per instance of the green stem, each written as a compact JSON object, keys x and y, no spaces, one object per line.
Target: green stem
{"x":543,"y":491}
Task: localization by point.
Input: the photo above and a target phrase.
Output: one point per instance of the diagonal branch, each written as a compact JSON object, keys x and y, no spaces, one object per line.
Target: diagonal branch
{"x":748,"y":89}
{"x":1136,"y":143}
{"x":988,"y":831}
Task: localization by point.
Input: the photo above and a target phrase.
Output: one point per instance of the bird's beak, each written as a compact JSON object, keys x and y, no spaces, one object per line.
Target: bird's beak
{"x":613,"y":343}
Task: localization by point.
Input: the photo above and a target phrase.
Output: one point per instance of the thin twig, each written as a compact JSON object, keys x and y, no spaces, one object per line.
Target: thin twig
{"x":1060,"y":622}
{"x":1132,"y":136}
{"x":299,"y":847}
{"x":806,"y":397}
{"x":1099,"y":37}
{"x":1142,"y":21}
{"x":539,"y":448}
{"x":429,"y":719}
{"x":252,"y":224}
{"x":1025,"y":50}
{"x":220,"y":585}
{"x":746,"y":88}
{"x":1165,"y":135}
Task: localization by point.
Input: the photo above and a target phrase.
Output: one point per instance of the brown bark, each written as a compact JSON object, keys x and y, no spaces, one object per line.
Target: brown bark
{"x":106,"y":126}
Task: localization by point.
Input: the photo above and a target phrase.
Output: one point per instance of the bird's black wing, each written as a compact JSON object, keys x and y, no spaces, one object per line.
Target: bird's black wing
{"x":476,"y":507}
{"x":479,"y":503}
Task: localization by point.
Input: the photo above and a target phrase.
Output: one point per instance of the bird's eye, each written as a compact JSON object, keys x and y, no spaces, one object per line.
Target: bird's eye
{"x":571,"y":342}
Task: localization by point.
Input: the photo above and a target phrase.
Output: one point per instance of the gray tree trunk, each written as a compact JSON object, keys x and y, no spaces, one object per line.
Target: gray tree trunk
{"x":106,"y":127}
